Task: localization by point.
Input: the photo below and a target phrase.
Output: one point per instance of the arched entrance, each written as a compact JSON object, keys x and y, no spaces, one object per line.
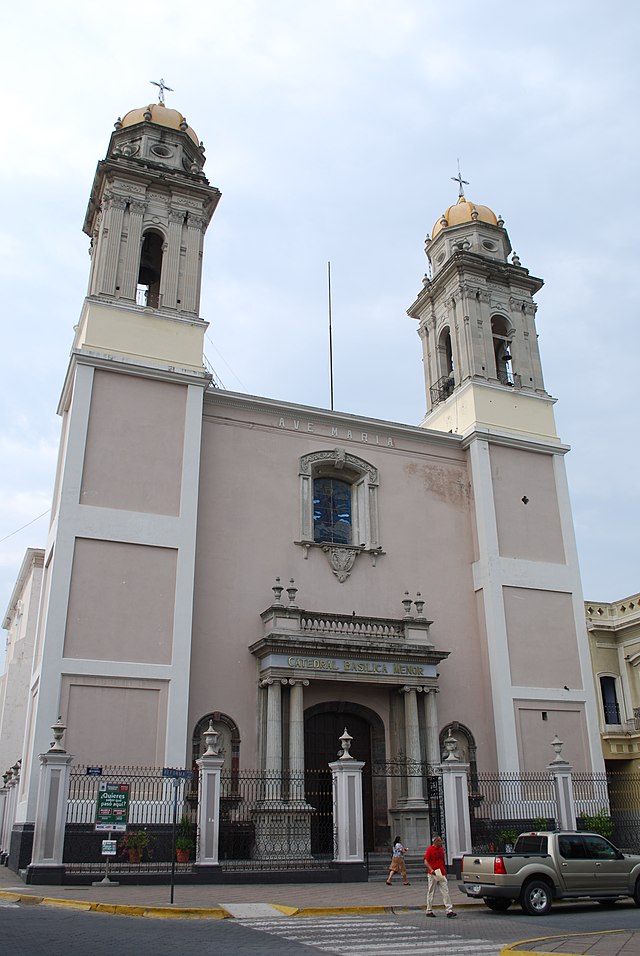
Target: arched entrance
{"x":323,"y":726}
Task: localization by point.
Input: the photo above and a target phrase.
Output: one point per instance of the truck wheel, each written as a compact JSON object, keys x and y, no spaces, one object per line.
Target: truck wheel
{"x":636,"y":892}
{"x":536,"y":898}
{"x":497,"y":903}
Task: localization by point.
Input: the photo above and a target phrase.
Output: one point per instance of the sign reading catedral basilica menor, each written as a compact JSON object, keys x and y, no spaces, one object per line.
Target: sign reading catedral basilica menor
{"x":284,"y":572}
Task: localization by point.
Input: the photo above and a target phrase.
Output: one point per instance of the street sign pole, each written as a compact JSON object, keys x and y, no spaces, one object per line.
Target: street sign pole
{"x":177,"y":776}
{"x":176,"y":784}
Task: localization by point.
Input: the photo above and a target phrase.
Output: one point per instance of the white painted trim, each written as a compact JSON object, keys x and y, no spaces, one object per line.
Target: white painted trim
{"x":584,"y":656}
{"x":487,"y":573}
{"x":177,"y":732}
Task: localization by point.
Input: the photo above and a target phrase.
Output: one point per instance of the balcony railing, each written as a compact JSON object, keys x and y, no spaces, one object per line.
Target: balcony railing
{"x":442,"y":389}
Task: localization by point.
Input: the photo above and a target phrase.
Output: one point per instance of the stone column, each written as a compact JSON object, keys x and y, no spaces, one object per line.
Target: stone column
{"x":171,"y":259}
{"x":455,"y":789}
{"x":431,"y":721}
{"x":51,"y":812}
{"x":348,"y":825}
{"x":190,"y":291}
{"x":273,"y":748}
{"x":411,"y":814}
{"x":412,"y":745}
{"x":210,"y":764}
{"x":296,"y":740}
{"x":114,"y":208}
{"x":563,"y":786}
{"x":9,"y":790}
{"x":131,"y":265}
{"x":3,"y":809}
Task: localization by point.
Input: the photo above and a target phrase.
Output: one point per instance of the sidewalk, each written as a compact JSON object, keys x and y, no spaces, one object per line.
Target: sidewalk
{"x":309,"y":899}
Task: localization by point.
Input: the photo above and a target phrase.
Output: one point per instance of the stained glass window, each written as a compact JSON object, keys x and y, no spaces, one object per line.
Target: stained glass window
{"x":332,"y":510}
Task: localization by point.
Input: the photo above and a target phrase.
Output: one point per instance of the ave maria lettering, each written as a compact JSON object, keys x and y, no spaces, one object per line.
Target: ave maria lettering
{"x":355,"y":667}
{"x":347,"y":434}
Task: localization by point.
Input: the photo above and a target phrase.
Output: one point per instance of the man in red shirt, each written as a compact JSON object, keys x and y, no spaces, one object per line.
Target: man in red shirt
{"x":437,"y":876}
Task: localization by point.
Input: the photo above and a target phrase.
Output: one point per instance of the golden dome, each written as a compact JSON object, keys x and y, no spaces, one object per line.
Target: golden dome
{"x":463,"y":211}
{"x":161,"y":116}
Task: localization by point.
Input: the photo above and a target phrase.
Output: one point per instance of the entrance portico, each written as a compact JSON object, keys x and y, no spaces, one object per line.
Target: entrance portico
{"x":388,"y":664}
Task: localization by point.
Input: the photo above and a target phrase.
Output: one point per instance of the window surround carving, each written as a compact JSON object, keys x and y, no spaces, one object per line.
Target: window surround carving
{"x":363,"y":478}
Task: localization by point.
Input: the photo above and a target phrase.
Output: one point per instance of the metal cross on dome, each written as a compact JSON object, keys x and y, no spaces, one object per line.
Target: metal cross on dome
{"x":462,"y":182}
{"x":162,"y":87}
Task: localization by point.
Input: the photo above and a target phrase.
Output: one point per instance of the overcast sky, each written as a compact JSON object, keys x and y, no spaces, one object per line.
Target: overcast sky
{"x":332,"y":129}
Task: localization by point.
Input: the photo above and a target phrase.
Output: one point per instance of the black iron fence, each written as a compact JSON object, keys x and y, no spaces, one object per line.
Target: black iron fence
{"x":504,"y":804}
{"x":148,"y":840}
{"x":272,"y":820}
{"x":268,"y":820}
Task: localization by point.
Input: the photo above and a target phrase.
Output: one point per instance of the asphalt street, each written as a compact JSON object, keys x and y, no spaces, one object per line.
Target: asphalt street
{"x":27,"y":930}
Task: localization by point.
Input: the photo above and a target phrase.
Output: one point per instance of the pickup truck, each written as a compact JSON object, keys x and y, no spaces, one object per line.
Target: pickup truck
{"x":548,"y":866}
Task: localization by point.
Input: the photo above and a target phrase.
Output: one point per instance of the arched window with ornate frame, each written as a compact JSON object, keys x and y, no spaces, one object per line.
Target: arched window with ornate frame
{"x":339,"y":507}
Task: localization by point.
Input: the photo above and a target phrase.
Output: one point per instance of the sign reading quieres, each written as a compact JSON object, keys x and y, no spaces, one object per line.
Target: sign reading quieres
{"x":112,"y":806}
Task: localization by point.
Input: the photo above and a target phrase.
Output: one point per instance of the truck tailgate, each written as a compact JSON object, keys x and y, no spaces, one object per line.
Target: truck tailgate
{"x":478,"y":869}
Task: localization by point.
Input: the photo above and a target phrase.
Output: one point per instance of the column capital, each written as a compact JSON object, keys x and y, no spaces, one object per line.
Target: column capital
{"x":298,"y":680}
{"x":269,"y":681}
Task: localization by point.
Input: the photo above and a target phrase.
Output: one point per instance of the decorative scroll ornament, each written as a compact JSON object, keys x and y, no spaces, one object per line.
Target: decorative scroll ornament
{"x":341,"y":560}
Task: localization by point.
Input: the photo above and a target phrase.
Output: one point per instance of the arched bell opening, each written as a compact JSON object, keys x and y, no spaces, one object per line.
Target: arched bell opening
{"x":148,"y":286}
{"x":501,"y":334}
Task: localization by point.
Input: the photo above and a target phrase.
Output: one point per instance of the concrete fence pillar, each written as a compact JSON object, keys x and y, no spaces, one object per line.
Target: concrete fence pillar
{"x":51,"y":811}
{"x":210,"y":764}
{"x":456,"y":802}
{"x":348,"y":825}
{"x":560,"y":770}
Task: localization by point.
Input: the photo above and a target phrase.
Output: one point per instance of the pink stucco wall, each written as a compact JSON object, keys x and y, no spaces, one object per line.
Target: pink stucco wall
{"x":133,"y":457}
{"x":249,"y":520}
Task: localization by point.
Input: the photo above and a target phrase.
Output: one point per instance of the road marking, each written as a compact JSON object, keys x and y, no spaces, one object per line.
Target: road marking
{"x":370,"y":936}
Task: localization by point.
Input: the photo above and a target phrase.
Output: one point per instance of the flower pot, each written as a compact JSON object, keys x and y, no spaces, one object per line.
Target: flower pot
{"x":182,"y":856}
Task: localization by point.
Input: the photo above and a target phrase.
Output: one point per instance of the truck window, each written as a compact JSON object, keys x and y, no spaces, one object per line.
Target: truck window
{"x":600,"y":849}
{"x":531,"y":843}
{"x":573,"y":848}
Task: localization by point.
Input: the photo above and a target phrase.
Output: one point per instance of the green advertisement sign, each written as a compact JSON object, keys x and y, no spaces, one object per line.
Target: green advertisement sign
{"x":112,"y":806}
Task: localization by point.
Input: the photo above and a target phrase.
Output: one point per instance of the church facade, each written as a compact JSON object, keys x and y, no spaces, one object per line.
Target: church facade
{"x":288,"y":571}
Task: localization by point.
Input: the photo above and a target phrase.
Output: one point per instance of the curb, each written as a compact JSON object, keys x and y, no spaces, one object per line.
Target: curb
{"x":218,"y":912}
{"x":512,"y":950}
{"x":120,"y":909}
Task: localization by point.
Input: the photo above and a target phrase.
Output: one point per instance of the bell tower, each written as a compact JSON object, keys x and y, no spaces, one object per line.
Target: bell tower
{"x":476,"y":318}
{"x":149,"y":208}
{"x":114,"y":633}
{"x":484,"y":384}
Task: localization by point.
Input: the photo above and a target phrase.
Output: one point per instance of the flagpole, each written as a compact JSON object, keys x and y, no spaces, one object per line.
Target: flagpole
{"x":330,"y":333}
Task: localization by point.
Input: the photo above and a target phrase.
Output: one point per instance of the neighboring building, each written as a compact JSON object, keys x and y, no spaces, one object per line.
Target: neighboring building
{"x":614,"y":642}
{"x":435,"y":567}
{"x":20,"y":621}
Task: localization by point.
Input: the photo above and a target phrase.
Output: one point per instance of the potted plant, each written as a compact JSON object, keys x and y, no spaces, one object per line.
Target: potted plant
{"x":184,"y":840}
{"x":134,"y":844}
{"x":508,"y":838}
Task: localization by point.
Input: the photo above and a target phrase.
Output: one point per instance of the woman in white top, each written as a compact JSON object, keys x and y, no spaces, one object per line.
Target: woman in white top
{"x":397,"y":862}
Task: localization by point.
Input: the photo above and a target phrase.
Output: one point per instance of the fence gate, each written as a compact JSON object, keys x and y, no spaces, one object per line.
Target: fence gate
{"x":394,"y":781}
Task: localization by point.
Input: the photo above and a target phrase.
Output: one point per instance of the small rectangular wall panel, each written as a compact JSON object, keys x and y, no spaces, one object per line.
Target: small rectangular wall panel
{"x":535,"y":734}
{"x":531,"y":531}
{"x":133,"y":457}
{"x":541,"y":634}
{"x":121,"y":602}
{"x":114,"y":721}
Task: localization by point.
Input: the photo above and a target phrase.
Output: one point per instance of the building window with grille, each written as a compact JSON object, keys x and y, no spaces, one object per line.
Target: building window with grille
{"x":609,"y":695}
